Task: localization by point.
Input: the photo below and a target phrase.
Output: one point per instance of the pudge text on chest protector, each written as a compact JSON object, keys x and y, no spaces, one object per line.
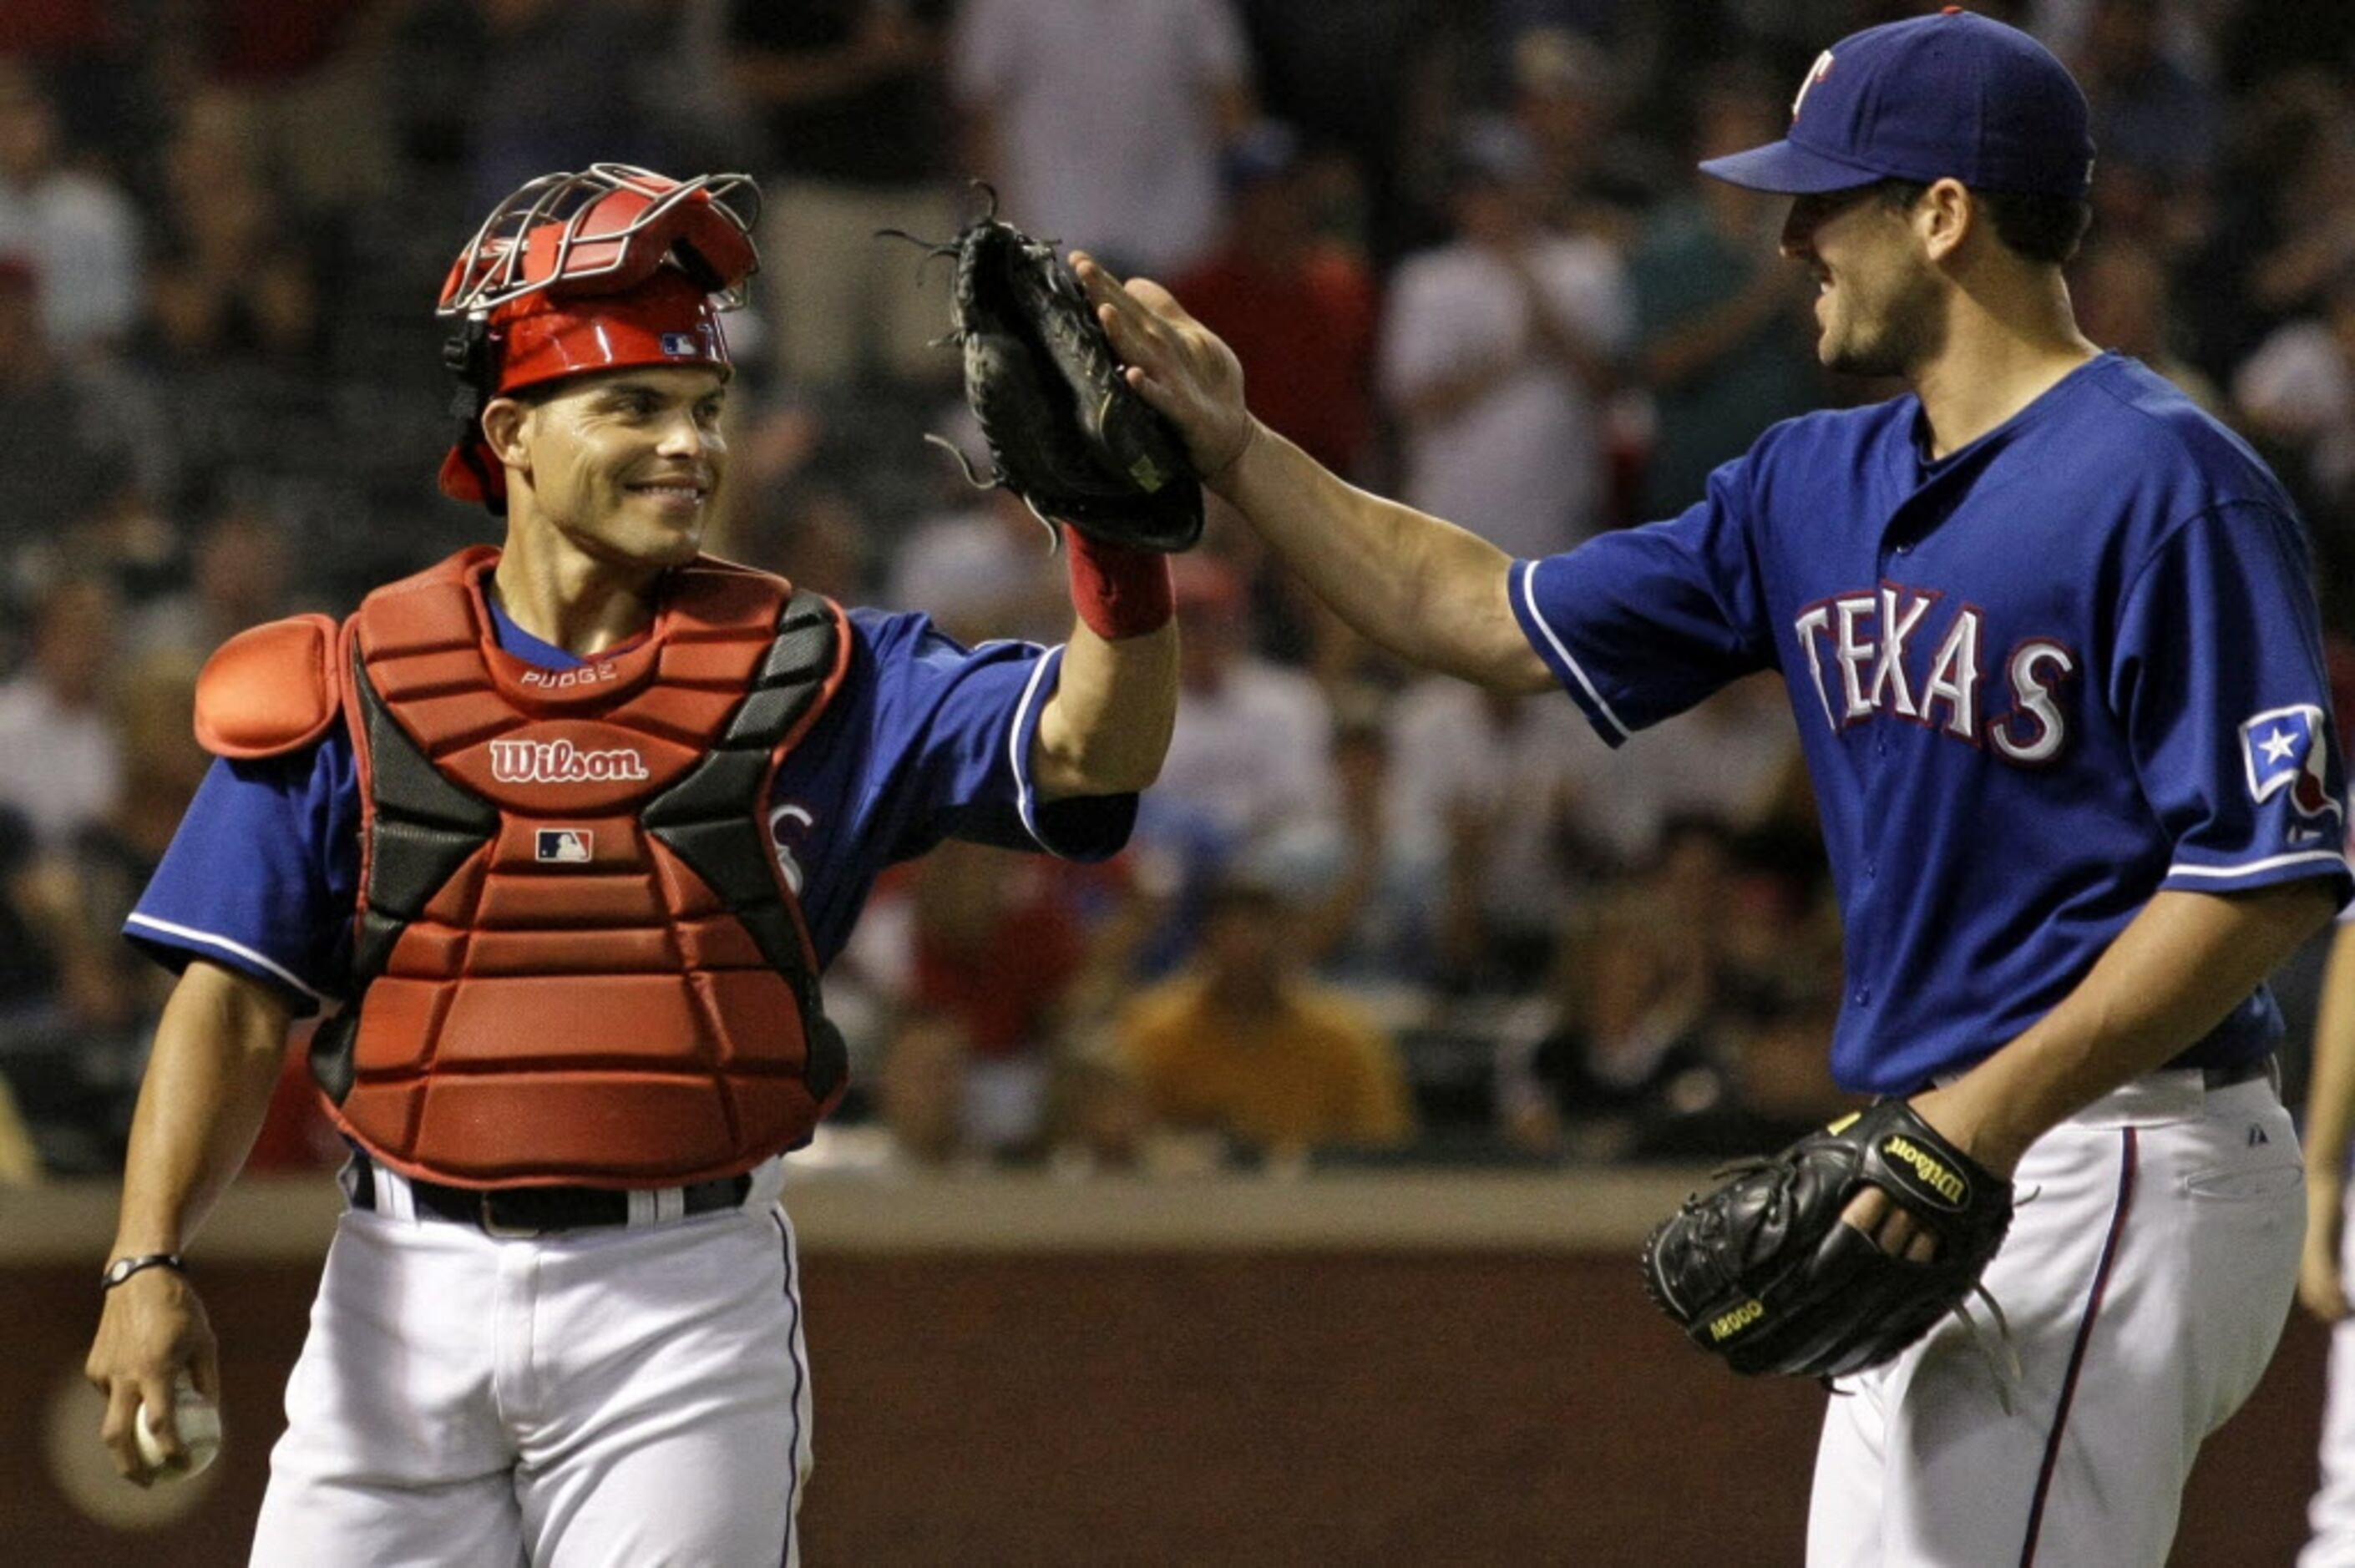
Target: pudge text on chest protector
{"x":1896,"y":652}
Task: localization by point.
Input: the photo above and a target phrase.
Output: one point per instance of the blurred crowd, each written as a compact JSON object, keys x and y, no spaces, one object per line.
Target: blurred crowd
{"x":1368,"y":914}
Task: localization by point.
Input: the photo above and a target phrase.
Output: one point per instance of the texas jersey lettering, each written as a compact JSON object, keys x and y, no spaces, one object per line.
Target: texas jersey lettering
{"x":1890,"y":652}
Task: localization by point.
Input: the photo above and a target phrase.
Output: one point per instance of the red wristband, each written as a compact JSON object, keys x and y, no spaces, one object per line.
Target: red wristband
{"x":1118,"y":590}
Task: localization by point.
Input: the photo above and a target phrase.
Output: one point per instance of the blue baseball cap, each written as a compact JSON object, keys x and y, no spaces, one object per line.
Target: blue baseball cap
{"x":1954,"y":95}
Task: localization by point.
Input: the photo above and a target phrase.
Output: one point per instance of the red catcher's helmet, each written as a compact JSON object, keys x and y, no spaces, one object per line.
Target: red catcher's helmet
{"x":577,"y":273}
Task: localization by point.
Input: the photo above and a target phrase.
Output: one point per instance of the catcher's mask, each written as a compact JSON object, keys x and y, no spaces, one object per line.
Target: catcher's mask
{"x":573,"y":274}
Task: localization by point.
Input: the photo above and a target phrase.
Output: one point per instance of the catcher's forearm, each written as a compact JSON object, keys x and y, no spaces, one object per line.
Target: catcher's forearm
{"x":1106,"y":729}
{"x":1427,"y":590}
{"x":2330,"y":1088}
{"x":2171,"y":976}
{"x":210,"y":1079}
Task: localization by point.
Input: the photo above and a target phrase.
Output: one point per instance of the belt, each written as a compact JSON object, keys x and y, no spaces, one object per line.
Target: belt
{"x":2265,"y":1067}
{"x":539,"y":1210}
{"x":2240,"y":1072}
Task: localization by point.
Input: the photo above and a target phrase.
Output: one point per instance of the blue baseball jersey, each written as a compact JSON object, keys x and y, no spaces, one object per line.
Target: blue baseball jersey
{"x":2070,"y":665}
{"x":924,"y":740}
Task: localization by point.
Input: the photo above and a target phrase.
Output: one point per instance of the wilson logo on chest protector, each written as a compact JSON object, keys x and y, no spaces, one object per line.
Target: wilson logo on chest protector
{"x":561,"y":762}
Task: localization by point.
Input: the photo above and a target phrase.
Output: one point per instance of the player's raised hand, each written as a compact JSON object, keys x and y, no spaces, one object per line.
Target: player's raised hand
{"x":153,"y":1329}
{"x":1178,"y":365}
{"x":2320,"y":1284}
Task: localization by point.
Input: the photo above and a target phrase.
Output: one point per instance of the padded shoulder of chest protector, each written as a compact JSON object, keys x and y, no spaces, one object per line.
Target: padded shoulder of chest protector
{"x":271,"y":689}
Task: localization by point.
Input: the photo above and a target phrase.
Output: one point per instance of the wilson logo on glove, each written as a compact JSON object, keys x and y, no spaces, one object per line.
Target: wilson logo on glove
{"x":1937,"y":1178}
{"x":1763,"y":1271}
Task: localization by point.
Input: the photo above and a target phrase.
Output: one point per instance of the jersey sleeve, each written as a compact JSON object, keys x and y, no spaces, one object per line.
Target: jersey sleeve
{"x":264,"y":874}
{"x":943,"y":735}
{"x":1641,"y":624}
{"x":2222,"y":687}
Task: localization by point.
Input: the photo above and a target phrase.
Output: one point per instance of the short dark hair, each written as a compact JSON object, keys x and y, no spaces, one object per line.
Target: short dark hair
{"x":2035,"y":227}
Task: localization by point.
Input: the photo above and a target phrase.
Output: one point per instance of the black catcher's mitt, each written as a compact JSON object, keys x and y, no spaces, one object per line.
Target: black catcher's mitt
{"x":1066,"y":432}
{"x":1761,"y":1271}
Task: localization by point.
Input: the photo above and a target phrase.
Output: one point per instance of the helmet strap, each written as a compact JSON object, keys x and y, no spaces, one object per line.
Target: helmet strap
{"x":467,"y":354}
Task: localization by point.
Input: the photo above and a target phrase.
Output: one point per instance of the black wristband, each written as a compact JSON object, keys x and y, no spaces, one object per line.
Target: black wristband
{"x":123,"y":1268}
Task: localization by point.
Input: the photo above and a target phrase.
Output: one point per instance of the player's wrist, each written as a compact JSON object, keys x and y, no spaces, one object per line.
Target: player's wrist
{"x":1226,"y":474}
{"x":125,"y":1267}
{"x":1978,"y":1124}
{"x":1119,"y":590}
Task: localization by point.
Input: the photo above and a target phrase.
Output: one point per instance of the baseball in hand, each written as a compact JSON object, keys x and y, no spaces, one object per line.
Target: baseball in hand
{"x":200,"y":1433}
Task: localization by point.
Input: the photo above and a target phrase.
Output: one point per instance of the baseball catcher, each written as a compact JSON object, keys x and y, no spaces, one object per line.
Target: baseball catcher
{"x":565,"y":831}
{"x":1065,"y":432}
{"x":1763,"y":1271}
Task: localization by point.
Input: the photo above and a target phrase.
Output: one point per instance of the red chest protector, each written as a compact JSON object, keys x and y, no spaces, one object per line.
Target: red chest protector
{"x":576,"y":960}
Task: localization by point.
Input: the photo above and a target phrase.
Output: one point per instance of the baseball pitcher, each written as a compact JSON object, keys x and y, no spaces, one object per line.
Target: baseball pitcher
{"x":2051,"y":639}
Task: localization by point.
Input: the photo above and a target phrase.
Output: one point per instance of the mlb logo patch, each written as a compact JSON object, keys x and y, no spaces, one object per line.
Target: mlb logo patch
{"x":2283,"y":750}
{"x":682,"y":344}
{"x":567,"y":846}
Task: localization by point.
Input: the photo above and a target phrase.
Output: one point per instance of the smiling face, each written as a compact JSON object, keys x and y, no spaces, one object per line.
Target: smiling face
{"x":1878,"y":299}
{"x":624,"y":466}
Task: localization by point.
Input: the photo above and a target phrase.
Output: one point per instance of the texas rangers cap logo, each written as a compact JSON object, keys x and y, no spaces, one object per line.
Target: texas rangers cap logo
{"x":1816,"y":74}
{"x":2283,"y":749}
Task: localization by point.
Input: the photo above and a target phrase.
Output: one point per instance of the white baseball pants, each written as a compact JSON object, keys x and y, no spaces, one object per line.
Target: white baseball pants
{"x":596,"y":1399}
{"x":2146,"y":1278}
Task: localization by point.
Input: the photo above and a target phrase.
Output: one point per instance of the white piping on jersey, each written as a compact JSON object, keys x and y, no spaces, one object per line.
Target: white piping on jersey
{"x":1525,"y":586}
{"x":238,"y":949}
{"x":2303,"y":857}
{"x":1023,"y":805}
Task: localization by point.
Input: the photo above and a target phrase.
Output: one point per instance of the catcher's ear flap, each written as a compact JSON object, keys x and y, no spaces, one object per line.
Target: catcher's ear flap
{"x":468,"y":474}
{"x":466,"y":354}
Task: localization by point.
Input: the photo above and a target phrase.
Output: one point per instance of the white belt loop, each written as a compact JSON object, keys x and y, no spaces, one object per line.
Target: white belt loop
{"x":643,"y":1208}
{"x":767,"y":1184}
{"x":393,"y":1197}
{"x":670,"y":1203}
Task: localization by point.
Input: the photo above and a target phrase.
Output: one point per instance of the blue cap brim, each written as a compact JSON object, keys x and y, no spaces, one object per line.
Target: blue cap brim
{"x":1787,"y":168}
